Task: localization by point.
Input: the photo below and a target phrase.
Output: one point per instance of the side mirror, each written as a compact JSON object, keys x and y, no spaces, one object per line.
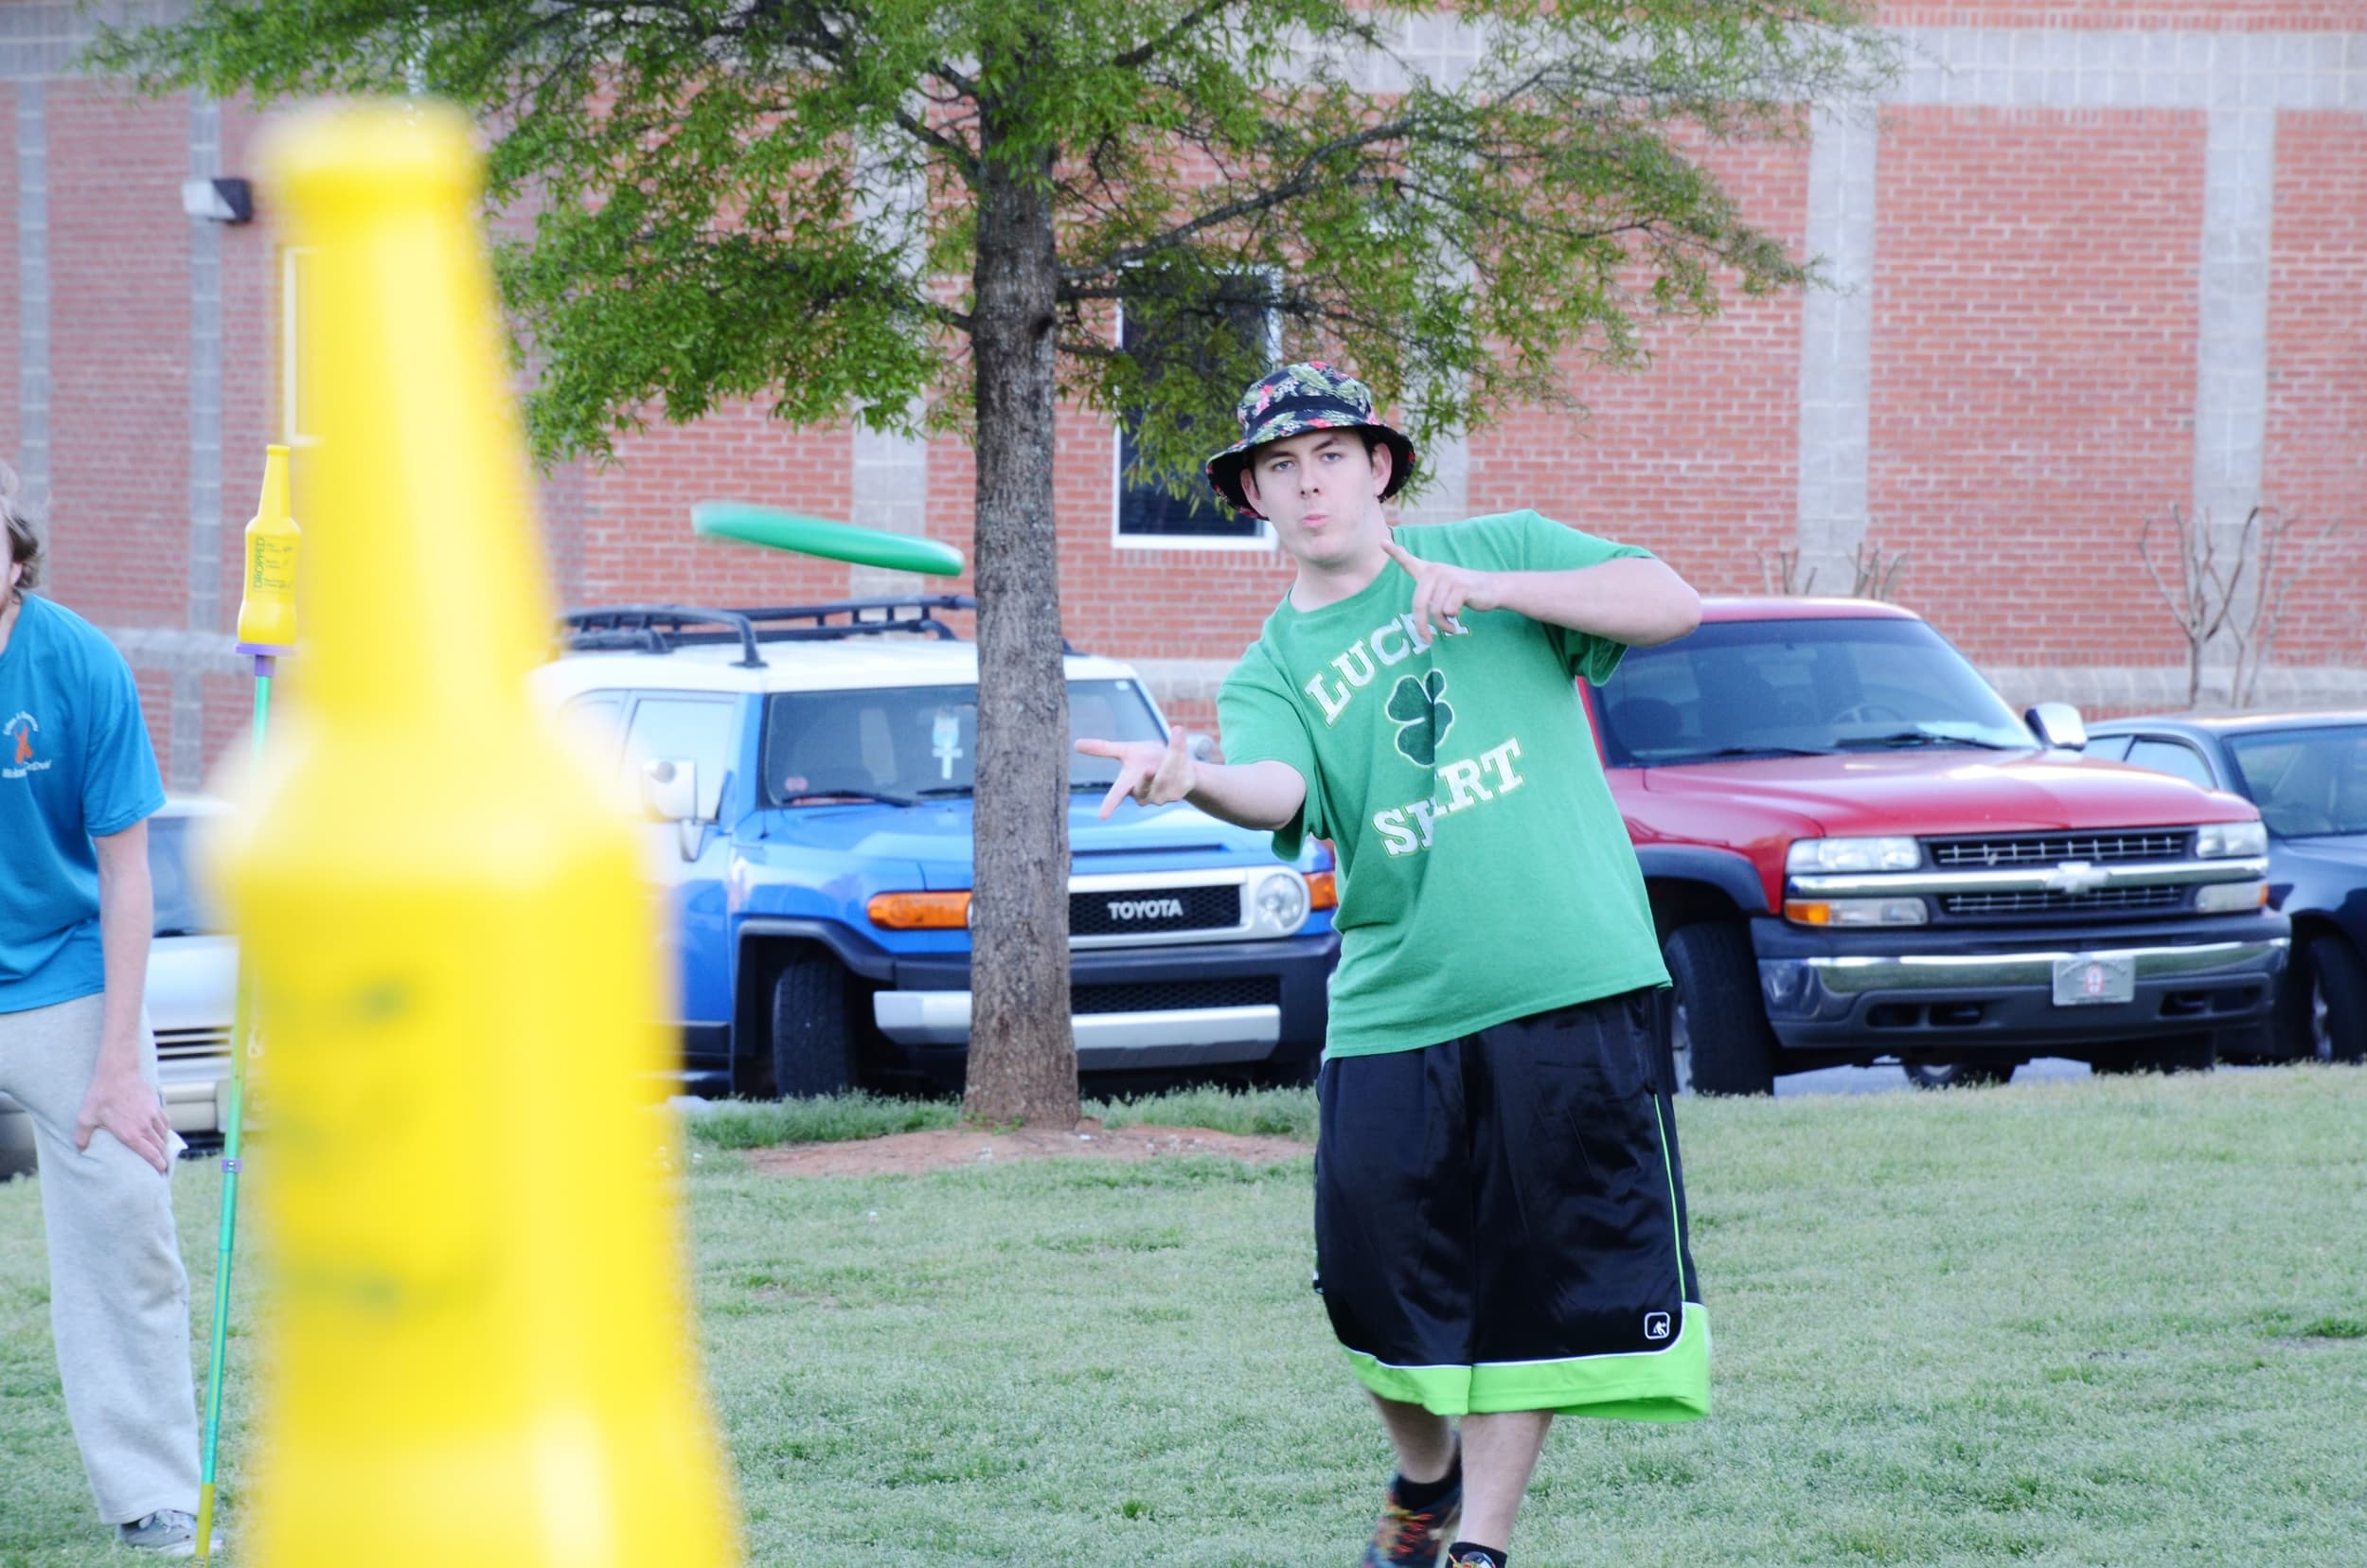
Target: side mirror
{"x":2058,"y":726}
{"x":669,"y":791}
{"x":1201,"y":747}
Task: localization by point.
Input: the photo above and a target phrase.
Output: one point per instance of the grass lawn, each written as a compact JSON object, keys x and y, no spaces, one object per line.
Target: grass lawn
{"x":2118,"y":1322}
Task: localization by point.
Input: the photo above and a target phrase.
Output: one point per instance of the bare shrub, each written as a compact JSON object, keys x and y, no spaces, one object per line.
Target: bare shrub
{"x":2233,"y":592}
{"x":1871,"y":576}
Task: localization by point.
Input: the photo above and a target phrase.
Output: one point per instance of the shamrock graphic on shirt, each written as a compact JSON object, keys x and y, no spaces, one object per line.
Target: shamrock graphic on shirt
{"x":1419,"y":706}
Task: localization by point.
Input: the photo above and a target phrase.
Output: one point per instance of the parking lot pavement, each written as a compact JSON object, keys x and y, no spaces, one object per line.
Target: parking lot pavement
{"x":1870,"y":1081}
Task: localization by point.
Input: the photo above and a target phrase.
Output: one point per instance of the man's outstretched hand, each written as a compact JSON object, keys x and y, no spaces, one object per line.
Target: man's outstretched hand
{"x":1152,"y":774}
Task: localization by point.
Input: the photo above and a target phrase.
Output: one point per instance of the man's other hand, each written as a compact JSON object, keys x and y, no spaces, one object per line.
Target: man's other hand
{"x":123,"y":1104}
{"x":1152,"y":774}
{"x":1443,"y":590}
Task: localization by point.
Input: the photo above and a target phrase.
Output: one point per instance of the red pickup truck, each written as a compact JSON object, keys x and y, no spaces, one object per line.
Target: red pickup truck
{"x":1858,"y":853}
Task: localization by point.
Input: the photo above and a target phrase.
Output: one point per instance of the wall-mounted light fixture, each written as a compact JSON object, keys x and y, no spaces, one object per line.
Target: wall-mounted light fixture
{"x":224,"y":200}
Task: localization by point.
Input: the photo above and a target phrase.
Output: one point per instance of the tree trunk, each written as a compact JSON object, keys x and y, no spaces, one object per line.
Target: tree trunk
{"x":1023,"y":1052}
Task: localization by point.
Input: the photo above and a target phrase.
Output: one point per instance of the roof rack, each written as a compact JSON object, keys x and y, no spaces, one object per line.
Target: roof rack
{"x":663,"y":627}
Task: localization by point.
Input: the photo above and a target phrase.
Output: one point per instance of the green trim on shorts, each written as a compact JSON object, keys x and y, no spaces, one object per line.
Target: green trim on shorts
{"x":1634,"y":1385}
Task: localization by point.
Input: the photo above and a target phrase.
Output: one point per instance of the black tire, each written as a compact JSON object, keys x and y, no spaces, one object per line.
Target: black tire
{"x":2322,"y":1005}
{"x":1717,"y":1026}
{"x":813,"y":1039}
{"x":2194,"y":1053}
{"x":2331,"y":983}
{"x":1960,"y":1075}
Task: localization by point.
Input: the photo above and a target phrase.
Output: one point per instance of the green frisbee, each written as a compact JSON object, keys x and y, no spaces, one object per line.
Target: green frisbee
{"x":814,"y":536}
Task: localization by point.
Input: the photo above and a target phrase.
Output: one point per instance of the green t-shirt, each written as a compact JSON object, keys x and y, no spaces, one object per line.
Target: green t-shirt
{"x":1485,"y":873}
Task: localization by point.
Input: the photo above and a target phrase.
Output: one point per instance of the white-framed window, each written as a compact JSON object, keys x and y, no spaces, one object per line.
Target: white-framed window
{"x":1146,"y":515}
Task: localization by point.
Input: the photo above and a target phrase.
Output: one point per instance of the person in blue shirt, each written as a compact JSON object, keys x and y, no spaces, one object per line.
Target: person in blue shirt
{"x":77,"y":783}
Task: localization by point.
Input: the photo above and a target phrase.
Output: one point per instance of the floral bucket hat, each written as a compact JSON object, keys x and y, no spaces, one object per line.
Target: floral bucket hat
{"x":1291,"y":401}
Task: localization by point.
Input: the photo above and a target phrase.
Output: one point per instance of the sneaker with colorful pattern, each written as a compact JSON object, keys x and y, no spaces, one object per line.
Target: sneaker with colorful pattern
{"x":1414,"y":1537}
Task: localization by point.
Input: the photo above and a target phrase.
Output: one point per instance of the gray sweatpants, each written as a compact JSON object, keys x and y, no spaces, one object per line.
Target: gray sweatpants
{"x":119,"y":1297}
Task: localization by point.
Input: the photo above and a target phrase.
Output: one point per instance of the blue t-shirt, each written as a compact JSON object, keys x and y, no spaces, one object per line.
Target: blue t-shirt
{"x":75,"y":764}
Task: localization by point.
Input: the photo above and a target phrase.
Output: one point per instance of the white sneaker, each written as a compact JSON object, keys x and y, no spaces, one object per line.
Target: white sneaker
{"x":168,"y":1532}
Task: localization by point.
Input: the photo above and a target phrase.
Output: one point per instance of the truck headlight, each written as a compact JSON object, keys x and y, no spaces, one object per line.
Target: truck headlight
{"x":1281,"y":901}
{"x":2223,"y":840}
{"x":1853,"y":854}
{"x":1856,"y":912}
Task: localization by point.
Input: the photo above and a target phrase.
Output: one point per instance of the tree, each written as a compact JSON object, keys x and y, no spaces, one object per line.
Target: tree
{"x":713,"y":185}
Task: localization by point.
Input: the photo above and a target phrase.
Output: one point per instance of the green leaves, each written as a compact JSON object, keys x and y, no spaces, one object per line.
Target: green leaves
{"x":710,"y":200}
{"x":1423,"y":714}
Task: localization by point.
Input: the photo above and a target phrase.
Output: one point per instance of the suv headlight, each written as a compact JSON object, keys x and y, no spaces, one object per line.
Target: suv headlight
{"x":1853,"y":854}
{"x":2224,"y":840}
{"x":1280,"y":901}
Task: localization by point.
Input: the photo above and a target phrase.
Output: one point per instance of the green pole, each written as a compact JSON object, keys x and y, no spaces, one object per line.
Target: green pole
{"x":234,"y":1127}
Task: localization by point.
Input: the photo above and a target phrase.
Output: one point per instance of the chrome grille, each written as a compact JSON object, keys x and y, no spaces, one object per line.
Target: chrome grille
{"x":2054,"y":848}
{"x":171,"y":1044}
{"x":2110,"y":900}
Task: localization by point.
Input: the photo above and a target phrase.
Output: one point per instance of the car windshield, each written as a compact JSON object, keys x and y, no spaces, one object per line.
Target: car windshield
{"x":912,"y":742}
{"x":1741,"y":690}
{"x":182,"y":907}
{"x":2306,"y":782}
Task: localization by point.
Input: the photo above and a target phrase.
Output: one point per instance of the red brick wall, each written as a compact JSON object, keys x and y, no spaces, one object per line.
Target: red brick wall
{"x":2034,"y":318}
{"x":251,"y":418}
{"x":1143,"y":603}
{"x":2166,"y":15}
{"x":637,"y":546}
{"x":1697,"y":458}
{"x":952,"y":500}
{"x":10,"y":337}
{"x":118,"y":356}
{"x":2316,"y":462}
{"x":2034,"y":371}
{"x":229,"y":708}
{"x":156,"y":688}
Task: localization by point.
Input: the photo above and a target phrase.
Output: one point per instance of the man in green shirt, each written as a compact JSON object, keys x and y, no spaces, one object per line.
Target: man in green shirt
{"x":1500,"y":1211}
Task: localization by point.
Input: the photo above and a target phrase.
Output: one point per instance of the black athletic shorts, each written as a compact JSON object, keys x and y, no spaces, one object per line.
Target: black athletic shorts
{"x":1499,"y":1220}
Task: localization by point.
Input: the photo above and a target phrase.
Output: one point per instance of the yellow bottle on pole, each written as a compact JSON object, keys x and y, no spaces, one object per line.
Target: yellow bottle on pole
{"x":267,"y":608}
{"x":481,"y":1353}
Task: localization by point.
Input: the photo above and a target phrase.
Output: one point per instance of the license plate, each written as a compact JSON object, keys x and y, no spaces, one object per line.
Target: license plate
{"x":2087,"y":980}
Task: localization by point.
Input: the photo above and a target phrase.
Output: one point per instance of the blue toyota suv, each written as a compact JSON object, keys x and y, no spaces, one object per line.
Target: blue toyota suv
{"x":807,"y":776}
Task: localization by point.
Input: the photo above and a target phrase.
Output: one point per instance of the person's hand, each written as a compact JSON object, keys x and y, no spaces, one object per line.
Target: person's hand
{"x":123,"y":1103}
{"x":1152,"y":774}
{"x":1443,"y":592}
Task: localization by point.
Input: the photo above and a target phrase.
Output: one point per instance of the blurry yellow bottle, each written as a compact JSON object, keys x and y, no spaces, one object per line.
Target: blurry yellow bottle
{"x":481,"y":1351}
{"x":267,"y":611}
